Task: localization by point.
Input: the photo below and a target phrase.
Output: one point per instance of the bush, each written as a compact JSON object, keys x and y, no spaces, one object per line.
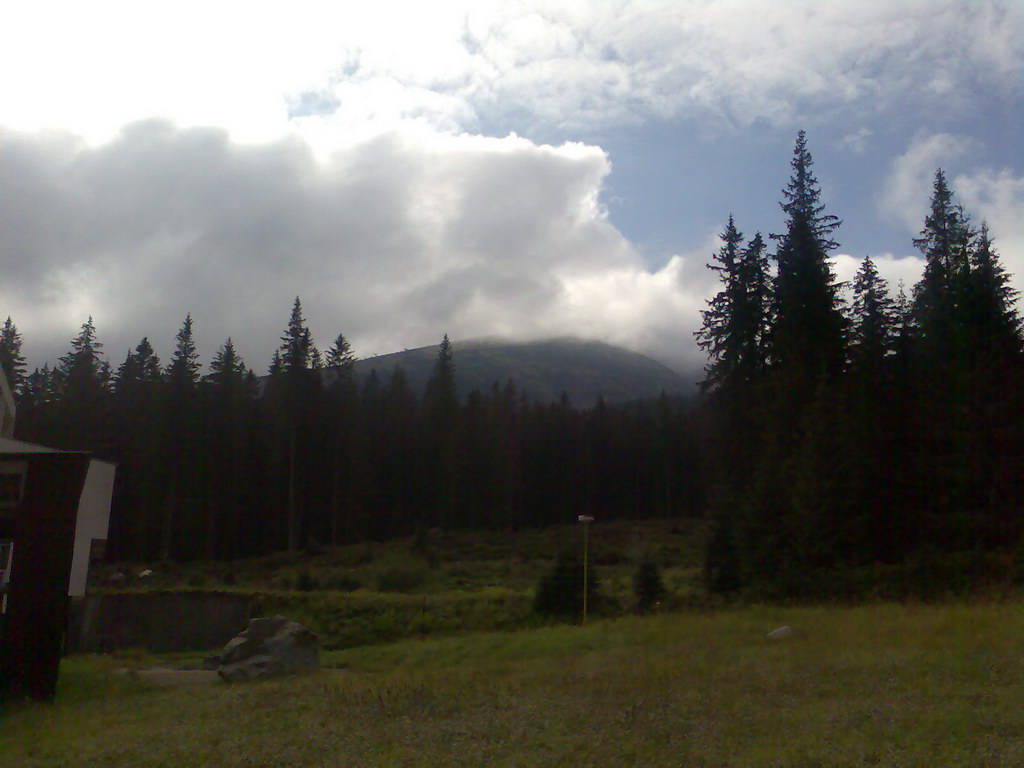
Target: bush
{"x":363,"y":618}
{"x":560,"y":591}
{"x":648,"y":587}
{"x":304,"y":582}
{"x":403,"y":577}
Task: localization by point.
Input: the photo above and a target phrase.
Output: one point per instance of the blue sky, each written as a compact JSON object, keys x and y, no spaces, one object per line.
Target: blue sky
{"x":521,"y":169}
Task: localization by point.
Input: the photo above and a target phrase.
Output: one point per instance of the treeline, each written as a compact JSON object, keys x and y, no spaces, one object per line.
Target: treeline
{"x":869,"y":441}
{"x":227,"y":464}
{"x":847,"y":436}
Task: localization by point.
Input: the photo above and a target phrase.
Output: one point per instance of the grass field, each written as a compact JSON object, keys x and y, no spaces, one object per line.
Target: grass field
{"x":884,"y":684}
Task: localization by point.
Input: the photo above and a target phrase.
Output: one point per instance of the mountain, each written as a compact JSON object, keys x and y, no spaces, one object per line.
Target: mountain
{"x":585,"y":370}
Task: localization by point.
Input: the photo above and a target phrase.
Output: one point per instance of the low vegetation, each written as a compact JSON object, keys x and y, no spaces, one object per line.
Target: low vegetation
{"x":882,"y":684}
{"x":446,"y":583}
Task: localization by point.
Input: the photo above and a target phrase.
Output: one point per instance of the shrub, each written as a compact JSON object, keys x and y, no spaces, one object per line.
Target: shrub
{"x":304,"y":582}
{"x":560,"y":591}
{"x":402,"y":577}
{"x":648,"y":587}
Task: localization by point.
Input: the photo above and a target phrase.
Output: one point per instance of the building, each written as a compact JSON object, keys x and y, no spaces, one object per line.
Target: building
{"x":54,"y":514}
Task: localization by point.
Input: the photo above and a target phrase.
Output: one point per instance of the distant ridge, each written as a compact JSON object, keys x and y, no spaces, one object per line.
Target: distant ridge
{"x":584,"y":370}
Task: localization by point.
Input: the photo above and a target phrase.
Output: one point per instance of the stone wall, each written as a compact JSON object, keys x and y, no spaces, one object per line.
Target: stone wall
{"x":156,"y":621}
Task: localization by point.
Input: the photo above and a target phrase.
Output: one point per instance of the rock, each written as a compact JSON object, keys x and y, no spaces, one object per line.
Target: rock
{"x":267,"y":648}
{"x":780,"y":633}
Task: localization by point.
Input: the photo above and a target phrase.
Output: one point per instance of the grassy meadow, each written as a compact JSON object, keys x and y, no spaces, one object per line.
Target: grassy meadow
{"x":876,"y":685}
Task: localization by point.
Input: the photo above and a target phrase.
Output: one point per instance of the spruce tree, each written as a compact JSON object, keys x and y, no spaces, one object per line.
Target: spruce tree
{"x":295,"y":388}
{"x":939,"y":298}
{"x":873,"y":319}
{"x":440,"y":428}
{"x":82,"y":380}
{"x":808,"y":330}
{"x":719,"y":335}
{"x":990,"y":302}
{"x":340,"y":354}
{"x":141,"y":422}
{"x":11,"y":360}
{"x":227,"y":369}
{"x":184,"y":448}
{"x":183,"y":370}
{"x":228,"y":394}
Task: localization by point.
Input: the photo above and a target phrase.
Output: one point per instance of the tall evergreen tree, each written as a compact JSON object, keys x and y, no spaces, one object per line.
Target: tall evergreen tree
{"x":139,"y":487}
{"x":440,"y":435}
{"x":185,"y":498}
{"x":295,"y":385}
{"x":229,"y":391}
{"x":873,"y":319}
{"x":946,"y":242}
{"x":183,"y":370}
{"x":82,"y":380}
{"x":11,"y":360}
{"x":342,"y":409}
{"x":990,"y":301}
{"x":340,"y":354}
{"x":807,"y":334}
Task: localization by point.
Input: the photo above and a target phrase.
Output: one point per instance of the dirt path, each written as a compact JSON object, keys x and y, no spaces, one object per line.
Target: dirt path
{"x":173,"y":678}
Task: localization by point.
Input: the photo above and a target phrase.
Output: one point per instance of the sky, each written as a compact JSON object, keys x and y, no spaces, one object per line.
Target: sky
{"x":481,"y":169}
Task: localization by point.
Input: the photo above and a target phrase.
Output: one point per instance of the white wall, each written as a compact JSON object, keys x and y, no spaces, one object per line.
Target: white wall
{"x":93,"y":520}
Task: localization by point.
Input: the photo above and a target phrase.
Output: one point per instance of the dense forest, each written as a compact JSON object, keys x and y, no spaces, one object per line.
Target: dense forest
{"x":843,"y":434}
{"x":229,"y":464}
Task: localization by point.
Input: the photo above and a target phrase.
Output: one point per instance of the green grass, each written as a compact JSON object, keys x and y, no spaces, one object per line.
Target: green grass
{"x":883,"y":684}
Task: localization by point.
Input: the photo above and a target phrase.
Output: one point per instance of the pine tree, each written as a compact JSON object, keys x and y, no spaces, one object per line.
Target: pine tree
{"x":440,"y":428}
{"x":342,"y":410}
{"x":183,"y":370}
{"x":227,"y":369}
{"x":297,"y":347}
{"x":946,"y":242}
{"x":873,"y":319}
{"x":81,"y":372}
{"x":990,"y":301}
{"x":11,"y":360}
{"x":82,"y":381}
{"x":754,"y":322}
{"x":137,"y":401}
{"x":340,"y":354}
{"x":719,"y":334}
{"x":184,"y":448}
{"x":807,"y":334}
{"x":229,"y":393}
{"x":296,"y":388}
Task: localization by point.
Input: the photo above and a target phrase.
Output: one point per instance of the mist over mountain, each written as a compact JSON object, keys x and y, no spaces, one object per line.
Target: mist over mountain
{"x":584,"y":370}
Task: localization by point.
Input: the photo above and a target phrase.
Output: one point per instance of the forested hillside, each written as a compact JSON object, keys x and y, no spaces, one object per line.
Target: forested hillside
{"x":842,"y":436}
{"x":542,"y":370}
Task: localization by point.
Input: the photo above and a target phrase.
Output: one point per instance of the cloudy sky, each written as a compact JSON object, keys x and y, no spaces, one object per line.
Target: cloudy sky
{"x":521,"y":169}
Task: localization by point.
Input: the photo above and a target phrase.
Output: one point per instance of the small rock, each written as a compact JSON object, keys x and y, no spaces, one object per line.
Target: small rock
{"x":780,"y":633}
{"x":146,"y":573}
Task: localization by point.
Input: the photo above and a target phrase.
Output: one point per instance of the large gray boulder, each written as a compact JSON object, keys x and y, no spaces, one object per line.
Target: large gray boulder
{"x":269,"y":647}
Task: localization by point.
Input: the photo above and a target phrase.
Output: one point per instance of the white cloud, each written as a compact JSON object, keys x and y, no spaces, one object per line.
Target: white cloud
{"x":393,"y":241}
{"x":908,"y":188}
{"x":857,"y":141}
{"x":891,"y":268}
{"x":998,"y":198}
{"x":995,"y":196}
{"x":91,"y":68}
